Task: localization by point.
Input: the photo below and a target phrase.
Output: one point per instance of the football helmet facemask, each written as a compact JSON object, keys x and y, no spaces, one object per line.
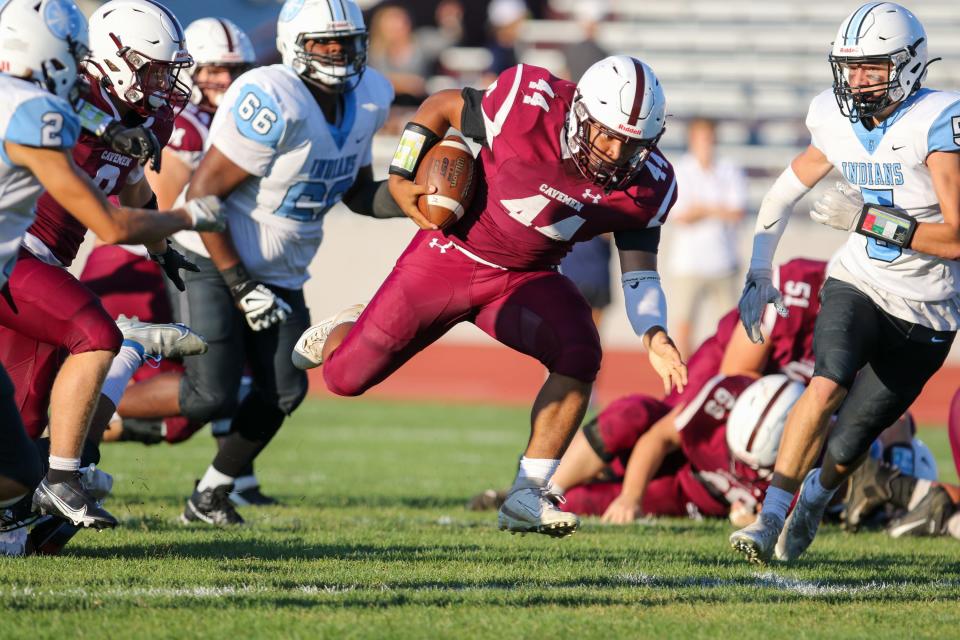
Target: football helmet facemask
{"x":137,"y":51}
{"x":888,"y":36}
{"x":337,"y":28}
{"x":620,"y":98}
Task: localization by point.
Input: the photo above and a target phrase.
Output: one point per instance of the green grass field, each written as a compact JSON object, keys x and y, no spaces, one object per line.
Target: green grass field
{"x":373,"y":541}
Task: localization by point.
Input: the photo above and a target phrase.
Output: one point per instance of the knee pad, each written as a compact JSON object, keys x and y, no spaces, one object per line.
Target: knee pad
{"x":291,"y":398}
{"x":93,"y":329}
{"x":205,"y":405}
{"x":846,"y":448}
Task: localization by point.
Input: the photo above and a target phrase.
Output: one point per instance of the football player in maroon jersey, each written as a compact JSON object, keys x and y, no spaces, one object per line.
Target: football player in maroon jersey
{"x":560,"y":163}
{"x":60,"y":347}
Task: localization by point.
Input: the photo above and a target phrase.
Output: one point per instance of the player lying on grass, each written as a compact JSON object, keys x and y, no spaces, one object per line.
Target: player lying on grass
{"x":42,"y":48}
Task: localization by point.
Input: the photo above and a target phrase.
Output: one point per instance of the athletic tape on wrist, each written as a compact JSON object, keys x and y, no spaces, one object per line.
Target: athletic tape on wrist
{"x":887,"y":224}
{"x":414,"y":144}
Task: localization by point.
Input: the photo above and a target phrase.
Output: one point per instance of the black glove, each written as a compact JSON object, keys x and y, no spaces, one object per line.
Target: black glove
{"x":171,"y":261}
{"x":138,"y":142}
{"x":261,"y":307}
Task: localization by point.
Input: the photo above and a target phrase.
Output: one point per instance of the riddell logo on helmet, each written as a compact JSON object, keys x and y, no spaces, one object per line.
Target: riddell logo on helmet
{"x":849,"y":49}
{"x":629,"y":129}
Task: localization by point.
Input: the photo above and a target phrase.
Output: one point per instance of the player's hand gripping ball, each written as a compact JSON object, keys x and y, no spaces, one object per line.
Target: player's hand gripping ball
{"x":449,"y":167}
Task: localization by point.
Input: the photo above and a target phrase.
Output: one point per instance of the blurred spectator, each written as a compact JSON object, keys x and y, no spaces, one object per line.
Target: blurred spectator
{"x":579,"y":56}
{"x":588,"y":265}
{"x":394,"y":52}
{"x":506,"y":18}
{"x":447,"y":31}
{"x":703,"y":256}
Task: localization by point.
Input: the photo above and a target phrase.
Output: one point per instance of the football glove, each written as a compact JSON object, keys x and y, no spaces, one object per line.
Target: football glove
{"x":839,"y":207}
{"x":757,"y":293}
{"x":138,"y":142}
{"x":171,"y":261}
{"x":261,"y":307}
{"x":206,"y":213}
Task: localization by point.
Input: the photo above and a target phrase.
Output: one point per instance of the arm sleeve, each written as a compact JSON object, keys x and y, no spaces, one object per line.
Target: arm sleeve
{"x":44,"y":121}
{"x":774,"y":214}
{"x":638,"y":239}
{"x":471,"y":118}
{"x":250,"y":131}
{"x":944,"y":133}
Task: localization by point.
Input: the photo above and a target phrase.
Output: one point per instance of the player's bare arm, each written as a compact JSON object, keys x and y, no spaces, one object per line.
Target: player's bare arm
{"x":743,"y":356}
{"x":438,"y":113}
{"x":646,"y":308}
{"x":139,"y":195}
{"x":217,"y":175}
{"x":169,"y":184}
{"x":648,"y":454}
{"x":59,"y":175}
{"x":942,"y":239}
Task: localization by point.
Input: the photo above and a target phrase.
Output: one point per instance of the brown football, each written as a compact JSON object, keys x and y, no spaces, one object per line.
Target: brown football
{"x":449,"y":167}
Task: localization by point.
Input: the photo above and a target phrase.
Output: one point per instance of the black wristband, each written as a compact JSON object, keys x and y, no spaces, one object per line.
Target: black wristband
{"x":886,"y":224}
{"x":236,"y":276}
{"x":152,"y":204}
{"x":414,"y":144}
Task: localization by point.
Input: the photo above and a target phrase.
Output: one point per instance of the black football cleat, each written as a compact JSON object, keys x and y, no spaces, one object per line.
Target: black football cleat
{"x":252,"y":497}
{"x":867,"y":490}
{"x":72,"y":502}
{"x":49,"y":536}
{"x":211,"y":506}
{"x":928,"y":518}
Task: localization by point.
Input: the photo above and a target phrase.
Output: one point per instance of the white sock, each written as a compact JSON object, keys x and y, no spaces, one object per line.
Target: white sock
{"x":953,"y":525}
{"x":213,"y":478}
{"x":920,"y":491}
{"x":124,"y":365}
{"x":777,"y":502}
{"x":814,"y":493}
{"x":10,"y":501}
{"x":64,"y":464}
{"x":242,"y":483}
{"x":540,"y":469}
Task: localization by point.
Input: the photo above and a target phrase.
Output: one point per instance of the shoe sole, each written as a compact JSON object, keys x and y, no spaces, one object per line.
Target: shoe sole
{"x":554,"y":529}
{"x":749,"y":549}
{"x":302,"y":362}
{"x":191,"y":515}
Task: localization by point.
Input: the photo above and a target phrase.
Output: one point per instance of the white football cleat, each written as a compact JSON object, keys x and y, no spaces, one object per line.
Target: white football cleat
{"x":801,"y":527}
{"x":171,"y":340}
{"x":97,"y":482}
{"x":308,"y":352}
{"x":756,"y":541}
{"x":531,"y":507}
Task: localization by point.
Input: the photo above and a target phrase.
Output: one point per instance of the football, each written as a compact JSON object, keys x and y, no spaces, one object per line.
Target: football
{"x":449,"y":167}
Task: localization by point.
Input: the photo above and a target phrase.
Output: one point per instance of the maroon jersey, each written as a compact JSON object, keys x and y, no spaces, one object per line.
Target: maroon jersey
{"x":532,"y":203}
{"x":110,"y":171}
{"x":190,"y":131}
{"x":714,"y":478}
{"x":799,"y":281}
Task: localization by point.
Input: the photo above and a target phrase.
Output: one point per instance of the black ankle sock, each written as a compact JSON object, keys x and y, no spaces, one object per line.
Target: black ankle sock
{"x":55,"y":476}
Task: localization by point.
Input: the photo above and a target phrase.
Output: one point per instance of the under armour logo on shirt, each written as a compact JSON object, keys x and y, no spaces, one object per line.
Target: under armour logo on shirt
{"x":593,"y":196}
{"x":443,"y":247}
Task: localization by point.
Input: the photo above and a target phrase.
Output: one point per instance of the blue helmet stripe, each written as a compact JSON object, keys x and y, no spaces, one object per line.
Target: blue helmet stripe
{"x":858,"y":19}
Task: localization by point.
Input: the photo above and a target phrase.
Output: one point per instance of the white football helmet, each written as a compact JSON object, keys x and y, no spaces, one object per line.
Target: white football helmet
{"x":884,"y":33}
{"x":44,"y":42}
{"x":216,"y":42}
{"x":620,"y":97}
{"x":137,"y":51}
{"x":756,"y":422}
{"x":323,"y":20}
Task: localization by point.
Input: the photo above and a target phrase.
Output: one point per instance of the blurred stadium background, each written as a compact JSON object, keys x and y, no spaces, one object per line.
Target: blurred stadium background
{"x":753,"y":65}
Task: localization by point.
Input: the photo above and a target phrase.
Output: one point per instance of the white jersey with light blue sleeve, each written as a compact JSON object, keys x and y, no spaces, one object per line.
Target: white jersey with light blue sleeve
{"x":32,"y":117}
{"x":888,"y":165}
{"x":270,"y":125}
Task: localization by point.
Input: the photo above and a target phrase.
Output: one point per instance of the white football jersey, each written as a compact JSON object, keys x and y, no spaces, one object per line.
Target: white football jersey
{"x":888,"y":165}
{"x":33,"y":117}
{"x":270,"y":125}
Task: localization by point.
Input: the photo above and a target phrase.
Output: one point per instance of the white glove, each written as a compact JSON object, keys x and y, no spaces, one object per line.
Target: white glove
{"x":757,"y":293}
{"x":839,"y":207}
{"x":206,"y":213}
{"x":261,"y":307}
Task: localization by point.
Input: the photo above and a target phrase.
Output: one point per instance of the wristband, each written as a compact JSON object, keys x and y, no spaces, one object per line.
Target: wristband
{"x":414,"y":144}
{"x":888,"y":224}
{"x":94,"y":120}
{"x":235,"y":276}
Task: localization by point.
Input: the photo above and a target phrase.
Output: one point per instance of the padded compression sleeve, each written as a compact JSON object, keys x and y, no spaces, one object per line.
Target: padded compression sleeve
{"x":645,"y":300}
{"x":774,"y":214}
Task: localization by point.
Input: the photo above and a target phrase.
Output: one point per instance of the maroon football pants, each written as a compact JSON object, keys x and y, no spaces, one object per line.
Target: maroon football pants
{"x":434,"y":286}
